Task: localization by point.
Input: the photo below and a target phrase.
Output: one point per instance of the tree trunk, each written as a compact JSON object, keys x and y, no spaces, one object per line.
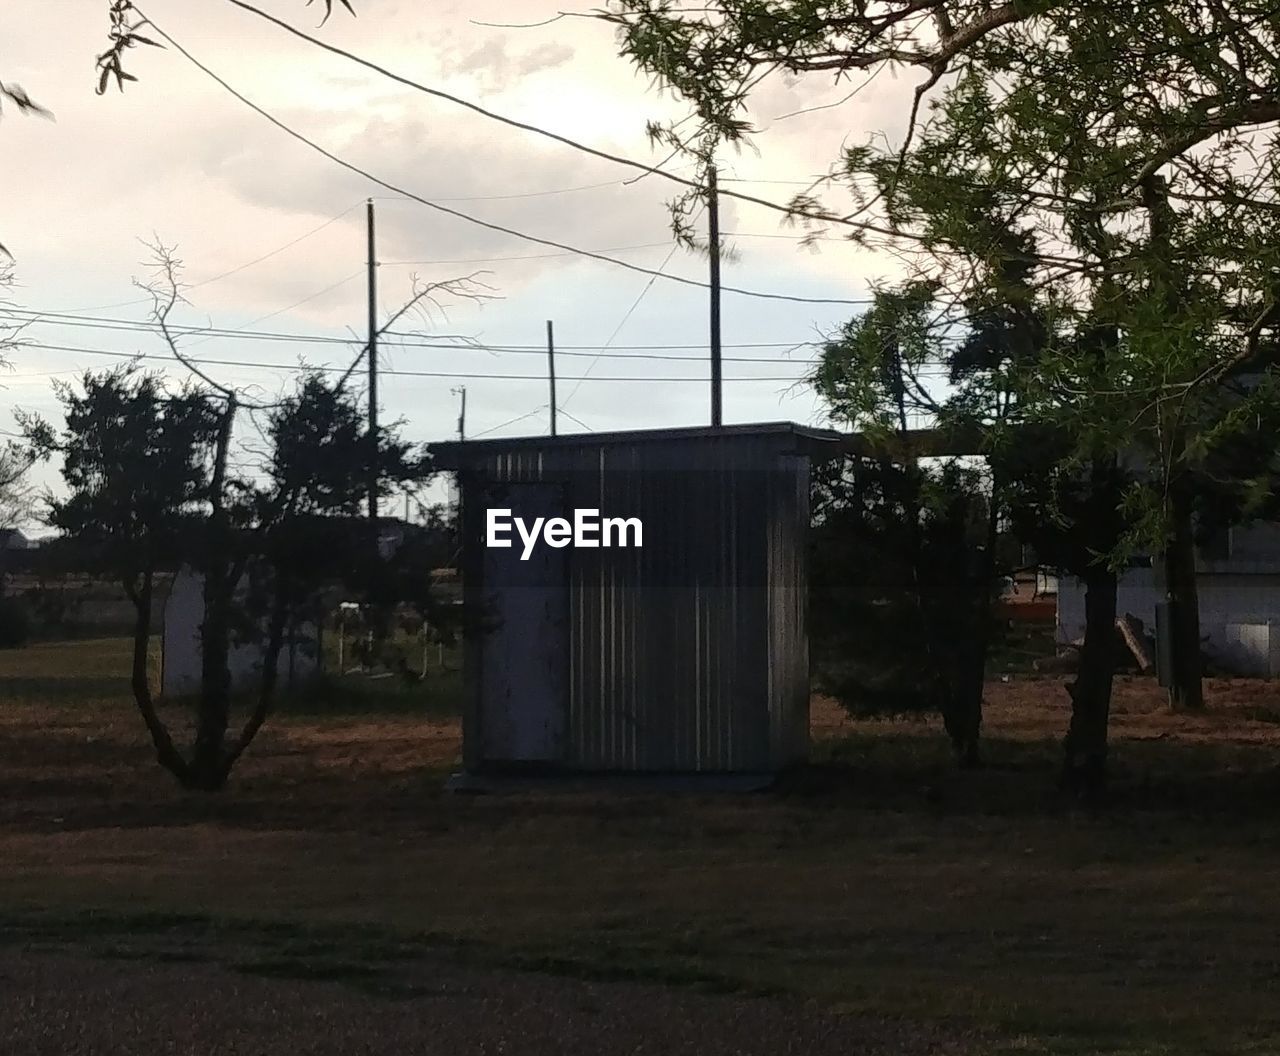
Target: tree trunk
{"x":1085,"y":764}
{"x":168,"y":756}
{"x":983,"y":597}
{"x":209,"y":764}
{"x":1084,"y":770}
{"x":962,"y":715}
{"x":270,"y":677}
{"x":963,"y":629}
{"x":208,"y":770}
{"x":1186,"y":690}
{"x":963,"y":720}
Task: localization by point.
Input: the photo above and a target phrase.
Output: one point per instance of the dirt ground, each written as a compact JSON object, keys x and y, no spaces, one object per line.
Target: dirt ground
{"x":60,"y":1005}
{"x":877,"y":890}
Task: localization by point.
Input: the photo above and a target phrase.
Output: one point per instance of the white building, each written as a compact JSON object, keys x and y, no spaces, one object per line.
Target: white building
{"x":181,"y":646}
{"x":17,"y":539}
{"x":1239,"y":589}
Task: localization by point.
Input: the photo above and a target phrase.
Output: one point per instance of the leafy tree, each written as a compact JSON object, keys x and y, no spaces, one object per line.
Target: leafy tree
{"x":16,"y":493}
{"x":881,"y":375}
{"x":310,"y":536}
{"x":715,"y":54}
{"x":1069,"y":511}
{"x":136,"y":463}
{"x":151,"y":486}
{"x":1126,"y":140}
{"x":908,"y":357}
{"x":1168,"y":253}
{"x":901,"y":591}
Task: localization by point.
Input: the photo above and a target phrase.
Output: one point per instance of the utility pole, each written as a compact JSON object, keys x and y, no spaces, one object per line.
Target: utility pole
{"x":551,"y":371}
{"x":713,"y":222}
{"x":373,"y":374}
{"x":461,"y":390}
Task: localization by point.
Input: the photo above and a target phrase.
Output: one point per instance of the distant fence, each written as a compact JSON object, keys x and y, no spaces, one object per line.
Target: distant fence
{"x":407,"y":645}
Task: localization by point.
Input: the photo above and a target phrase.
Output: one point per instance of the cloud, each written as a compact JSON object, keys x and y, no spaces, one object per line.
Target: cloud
{"x":176,"y":155}
{"x":496,"y":69}
{"x":501,"y":177}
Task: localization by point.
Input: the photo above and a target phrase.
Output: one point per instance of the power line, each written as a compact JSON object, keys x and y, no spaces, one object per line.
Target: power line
{"x":535,"y":129}
{"x":275,"y":252}
{"x":780,"y":183}
{"x":509,"y":421}
{"x":233,"y":271}
{"x":575,"y":253}
{"x":572,"y":190}
{"x":297,"y":304}
{"x":623,"y":322}
{"x":325,"y":369}
{"x":449,"y":260}
{"x":407,"y":339}
{"x":365,"y":174}
{"x":534,"y":348}
{"x":512,"y":197}
{"x":525,"y":256}
{"x":572,"y":418}
{"x":444,"y":260}
{"x":140,"y":326}
{"x":281,"y":311}
{"x":471,"y":347}
{"x":424,"y":263}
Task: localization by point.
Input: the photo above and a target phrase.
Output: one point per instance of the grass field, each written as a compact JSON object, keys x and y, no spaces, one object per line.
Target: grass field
{"x":876,"y":882}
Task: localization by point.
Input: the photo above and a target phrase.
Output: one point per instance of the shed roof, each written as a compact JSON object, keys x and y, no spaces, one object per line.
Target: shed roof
{"x":801,"y":438}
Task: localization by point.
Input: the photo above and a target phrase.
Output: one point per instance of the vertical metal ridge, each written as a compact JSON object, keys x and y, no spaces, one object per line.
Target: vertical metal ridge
{"x":688,"y":654}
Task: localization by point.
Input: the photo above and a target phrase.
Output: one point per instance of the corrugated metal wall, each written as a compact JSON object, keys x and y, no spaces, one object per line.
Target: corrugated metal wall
{"x":688,"y":654}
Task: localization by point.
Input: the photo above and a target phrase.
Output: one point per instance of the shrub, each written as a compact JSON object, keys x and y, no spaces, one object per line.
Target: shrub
{"x":15,"y":623}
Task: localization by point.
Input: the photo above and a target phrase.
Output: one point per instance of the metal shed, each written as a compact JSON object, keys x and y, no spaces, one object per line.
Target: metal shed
{"x":684,"y":655}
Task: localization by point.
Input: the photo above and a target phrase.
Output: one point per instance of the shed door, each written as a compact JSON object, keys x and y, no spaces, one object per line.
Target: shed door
{"x":524,"y":676}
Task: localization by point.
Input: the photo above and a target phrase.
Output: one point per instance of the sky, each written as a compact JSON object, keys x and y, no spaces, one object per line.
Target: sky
{"x":272,"y":235}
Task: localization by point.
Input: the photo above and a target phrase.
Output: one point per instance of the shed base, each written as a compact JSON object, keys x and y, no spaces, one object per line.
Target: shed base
{"x":622,"y":784}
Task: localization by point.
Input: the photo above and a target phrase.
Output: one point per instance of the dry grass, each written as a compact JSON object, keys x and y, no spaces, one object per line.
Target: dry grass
{"x":879,"y":880}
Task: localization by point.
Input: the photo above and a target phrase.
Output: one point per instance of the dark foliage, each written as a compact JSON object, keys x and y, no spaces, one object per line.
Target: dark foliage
{"x":15,"y":622}
{"x":900,"y":595}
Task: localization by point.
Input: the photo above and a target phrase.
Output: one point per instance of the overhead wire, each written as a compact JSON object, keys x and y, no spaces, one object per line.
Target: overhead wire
{"x":405,"y":339}
{"x":226,"y":274}
{"x":535,"y":129}
{"x":277,"y":251}
{"x":573,"y":418}
{"x":280,"y":311}
{"x":299,"y":303}
{"x":513,"y":197}
{"x":324,"y":368}
{"x":605,"y":249}
{"x":141,"y":326}
{"x":625,"y":318}
{"x":365,"y":174}
{"x":525,"y":256}
{"x":509,"y":421}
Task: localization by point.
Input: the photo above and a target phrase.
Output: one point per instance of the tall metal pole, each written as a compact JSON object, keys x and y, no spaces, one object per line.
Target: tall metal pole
{"x":373,"y":372}
{"x":713,"y":221}
{"x":551,"y":371}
